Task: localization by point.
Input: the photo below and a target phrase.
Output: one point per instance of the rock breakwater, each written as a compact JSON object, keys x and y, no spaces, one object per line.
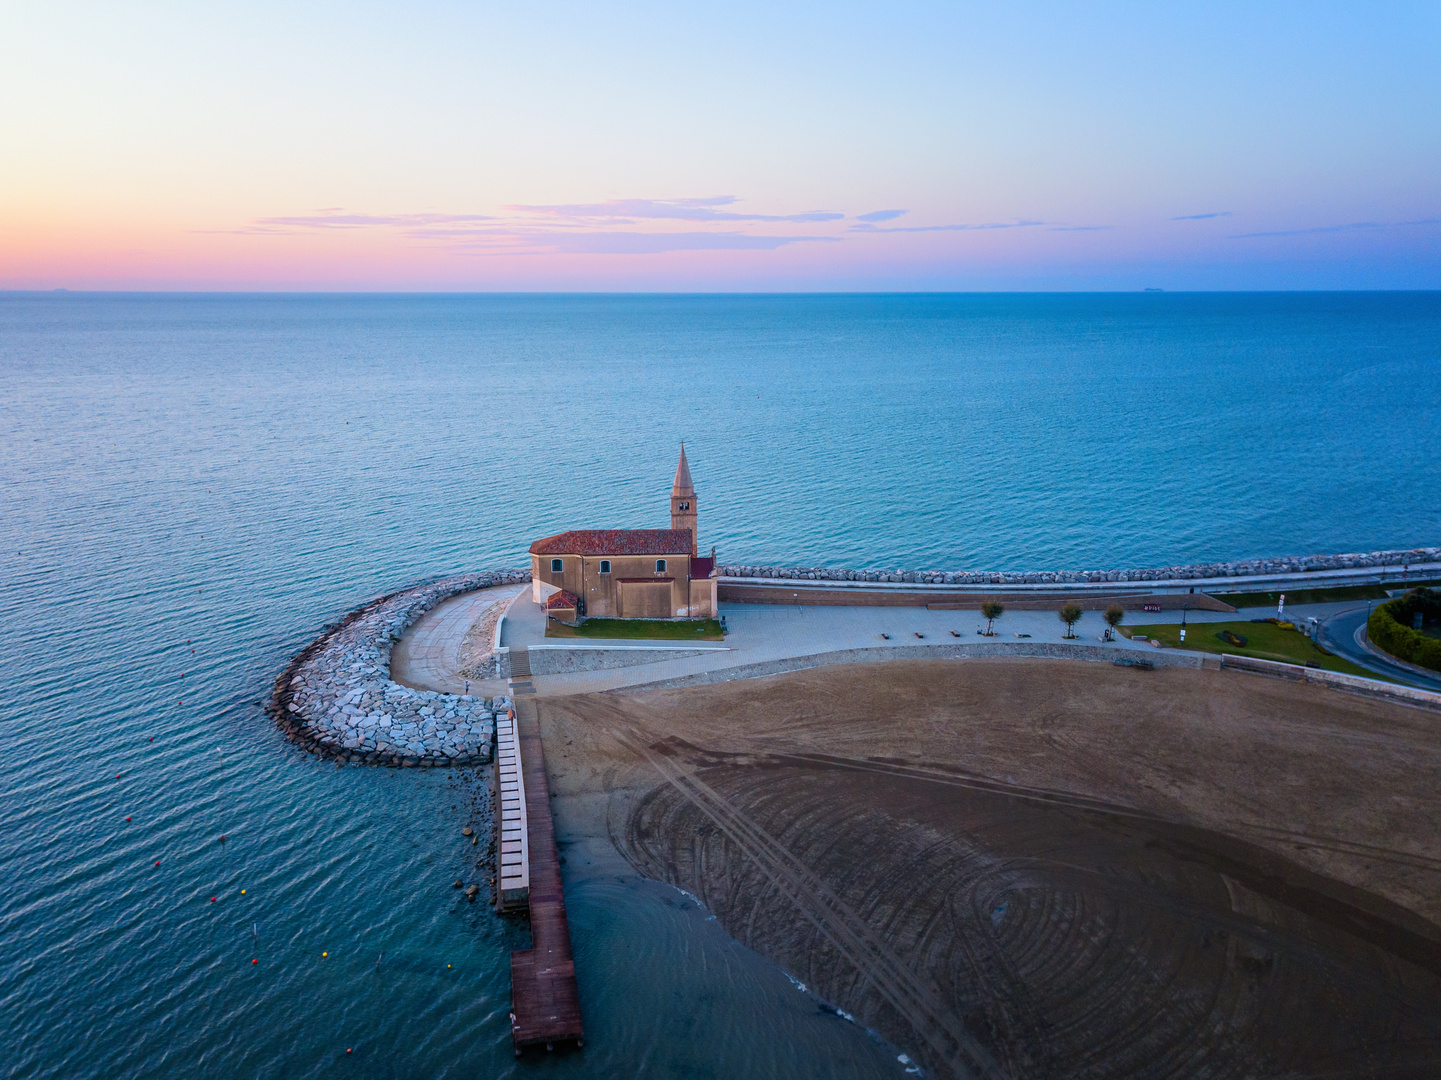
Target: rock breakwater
{"x":1296,"y":564}
{"x":336,"y":698}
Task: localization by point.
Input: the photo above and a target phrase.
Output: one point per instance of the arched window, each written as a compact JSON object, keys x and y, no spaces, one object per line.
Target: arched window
{"x":684,"y":505}
{"x":556,"y":566}
{"x":605,"y":566}
{"x":660,"y":566}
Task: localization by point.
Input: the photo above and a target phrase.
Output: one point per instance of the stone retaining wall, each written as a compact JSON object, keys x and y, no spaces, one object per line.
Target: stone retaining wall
{"x":1410,"y":695}
{"x":987,"y":651}
{"x":1244,"y":568}
{"x":566,"y":661}
{"x":336,"y":698}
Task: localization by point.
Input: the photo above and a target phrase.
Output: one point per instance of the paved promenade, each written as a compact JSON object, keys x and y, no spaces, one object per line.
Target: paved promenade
{"x":766,"y":634}
{"x":762,"y":633}
{"x":429,"y":656}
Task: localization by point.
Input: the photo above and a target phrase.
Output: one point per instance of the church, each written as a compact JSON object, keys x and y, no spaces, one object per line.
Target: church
{"x":628,"y":573}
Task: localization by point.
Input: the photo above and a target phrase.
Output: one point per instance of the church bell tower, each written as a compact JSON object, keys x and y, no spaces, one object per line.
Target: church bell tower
{"x":682,"y":500}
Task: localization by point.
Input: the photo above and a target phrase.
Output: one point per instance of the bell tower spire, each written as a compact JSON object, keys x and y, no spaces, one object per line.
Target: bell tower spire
{"x":682,"y":500}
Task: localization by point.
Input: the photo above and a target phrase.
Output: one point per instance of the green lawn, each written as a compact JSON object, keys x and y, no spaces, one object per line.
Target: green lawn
{"x":1264,"y":641}
{"x":645,"y":629}
{"x":1315,"y":596}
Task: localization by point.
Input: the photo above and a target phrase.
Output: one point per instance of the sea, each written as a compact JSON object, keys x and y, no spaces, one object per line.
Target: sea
{"x":192,"y":486}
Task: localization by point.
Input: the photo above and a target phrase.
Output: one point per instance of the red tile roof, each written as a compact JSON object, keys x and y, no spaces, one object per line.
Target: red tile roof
{"x":561,"y":599}
{"x":615,"y":542}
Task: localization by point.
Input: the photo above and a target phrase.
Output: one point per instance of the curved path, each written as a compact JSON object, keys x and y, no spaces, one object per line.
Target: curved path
{"x":1343,"y":634}
{"x":446,"y":639}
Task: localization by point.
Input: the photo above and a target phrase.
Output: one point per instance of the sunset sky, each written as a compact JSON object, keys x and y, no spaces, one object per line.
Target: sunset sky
{"x":740,"y":147}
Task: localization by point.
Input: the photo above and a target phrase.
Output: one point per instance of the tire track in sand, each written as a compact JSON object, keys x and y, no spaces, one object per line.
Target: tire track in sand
{"x":912,"y":996}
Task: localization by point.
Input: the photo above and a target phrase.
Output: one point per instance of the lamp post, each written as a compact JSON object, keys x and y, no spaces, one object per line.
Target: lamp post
{"x":1184,"y":608}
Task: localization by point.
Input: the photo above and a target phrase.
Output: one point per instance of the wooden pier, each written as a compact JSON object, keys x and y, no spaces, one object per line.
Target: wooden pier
{"x":545,"y":1004}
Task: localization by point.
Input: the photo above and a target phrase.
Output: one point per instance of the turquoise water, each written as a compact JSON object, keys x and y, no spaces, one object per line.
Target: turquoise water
{"x":226,"y":474}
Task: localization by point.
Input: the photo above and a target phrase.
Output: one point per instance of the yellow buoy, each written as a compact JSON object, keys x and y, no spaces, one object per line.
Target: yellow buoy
{"x":325,"y":954}
{"x":242,"y":892}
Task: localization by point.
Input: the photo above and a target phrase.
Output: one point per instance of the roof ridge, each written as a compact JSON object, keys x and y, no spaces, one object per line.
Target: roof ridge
{"x":615,"y":542}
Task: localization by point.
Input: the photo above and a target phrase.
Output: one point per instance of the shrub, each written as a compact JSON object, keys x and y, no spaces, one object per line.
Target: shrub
{"x":1389,"y":628}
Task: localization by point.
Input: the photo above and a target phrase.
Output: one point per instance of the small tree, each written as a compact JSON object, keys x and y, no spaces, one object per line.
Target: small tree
{"x":992,"y":611}
{"x":1114,"y":614}
{"x":1070,"y":615}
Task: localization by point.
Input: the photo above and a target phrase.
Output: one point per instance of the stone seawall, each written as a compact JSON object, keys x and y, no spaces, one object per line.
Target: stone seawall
{"x":1298,"y":564}
{"x":336,"y":698}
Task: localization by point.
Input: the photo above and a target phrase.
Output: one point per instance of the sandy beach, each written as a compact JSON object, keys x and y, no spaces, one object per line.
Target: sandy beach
{"x":1045,"y":868}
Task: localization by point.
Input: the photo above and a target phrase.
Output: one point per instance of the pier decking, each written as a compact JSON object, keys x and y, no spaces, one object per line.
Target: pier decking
{"x":512,"y":844}
{"x":545,"y":1004}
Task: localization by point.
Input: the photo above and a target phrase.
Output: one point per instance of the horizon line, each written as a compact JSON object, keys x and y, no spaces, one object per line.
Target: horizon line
{"x":1139,"y":290}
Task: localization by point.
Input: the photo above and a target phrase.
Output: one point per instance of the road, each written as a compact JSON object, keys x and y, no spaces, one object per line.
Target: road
{"x":1338,"y":635}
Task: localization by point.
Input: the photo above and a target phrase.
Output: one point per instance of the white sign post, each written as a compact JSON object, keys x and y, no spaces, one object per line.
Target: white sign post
{"x":1281,"y":607}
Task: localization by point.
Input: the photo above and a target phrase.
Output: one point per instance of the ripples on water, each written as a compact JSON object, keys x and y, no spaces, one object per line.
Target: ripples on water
{"x":226,"y":474}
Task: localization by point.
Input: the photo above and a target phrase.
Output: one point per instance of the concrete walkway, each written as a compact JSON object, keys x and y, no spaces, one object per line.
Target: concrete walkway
{"x":428,"y":655}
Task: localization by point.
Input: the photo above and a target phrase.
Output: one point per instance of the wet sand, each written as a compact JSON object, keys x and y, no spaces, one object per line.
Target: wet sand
{"x":1047,"y":868}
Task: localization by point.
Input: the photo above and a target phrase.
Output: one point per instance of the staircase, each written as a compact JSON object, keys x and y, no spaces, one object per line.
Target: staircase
{"x":520,"y":672}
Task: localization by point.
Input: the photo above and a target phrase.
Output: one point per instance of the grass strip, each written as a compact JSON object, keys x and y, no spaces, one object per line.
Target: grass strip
{"x":639,"y":629}
{"x":1264,"y":641}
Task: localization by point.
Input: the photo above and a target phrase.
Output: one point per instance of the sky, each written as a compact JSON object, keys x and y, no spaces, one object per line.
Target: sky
{"x":736,"y":147}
